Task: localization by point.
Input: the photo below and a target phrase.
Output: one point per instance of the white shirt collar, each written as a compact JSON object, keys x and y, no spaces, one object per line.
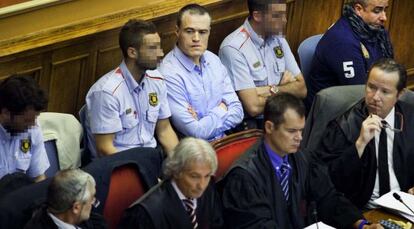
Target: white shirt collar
{"x":60,"y":224}
{"x":181,"y":195}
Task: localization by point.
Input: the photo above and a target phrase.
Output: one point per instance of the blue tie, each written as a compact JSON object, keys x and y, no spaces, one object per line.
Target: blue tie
{"x":284,"y":179}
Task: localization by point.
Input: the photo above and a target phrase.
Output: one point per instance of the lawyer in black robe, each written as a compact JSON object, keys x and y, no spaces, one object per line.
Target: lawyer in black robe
{"x":162,"y":208}
{"x":355,"y":176}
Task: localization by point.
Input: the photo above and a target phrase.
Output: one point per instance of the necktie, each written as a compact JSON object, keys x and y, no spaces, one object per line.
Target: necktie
{"x":383,"y":173}
{"x":189,"y":205}
{"x":284,"y":179}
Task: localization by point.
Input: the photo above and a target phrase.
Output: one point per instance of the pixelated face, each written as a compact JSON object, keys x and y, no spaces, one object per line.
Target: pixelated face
{"x":286,"y":137}
{"x":274,"y":19}
{"x":195,"y":178}
{"x":374,"y":14}
{"x":381,"y":92}
{"x":193,"y":35}
{"x":150,"y":52}
{"x":20,"y":122}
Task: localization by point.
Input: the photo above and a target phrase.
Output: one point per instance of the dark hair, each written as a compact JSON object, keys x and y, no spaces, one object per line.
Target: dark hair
{"x":389,"y":65}
{"x":132,"y":34}
{"x":192,"y":9}
{"x":260,"y":5}
{"x":352,"y":3}
{"x":276,"y":105}
{"x":17,"y":93}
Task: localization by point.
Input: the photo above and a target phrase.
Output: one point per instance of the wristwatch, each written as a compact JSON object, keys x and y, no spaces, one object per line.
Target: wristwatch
{"x":274,"y":89}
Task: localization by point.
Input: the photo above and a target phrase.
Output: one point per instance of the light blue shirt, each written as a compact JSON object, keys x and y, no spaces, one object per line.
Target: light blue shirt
{"x":251,"y":60}
{"x":203,"y":89}
{"x":24,"y":152}
{"x":118,"y":104}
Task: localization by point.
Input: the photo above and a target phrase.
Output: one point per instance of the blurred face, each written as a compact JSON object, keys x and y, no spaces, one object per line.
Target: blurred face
{"x":274,"y":19}
{"x":285,"y":138}
{"x":374,"y":14}
{"x":16,"y":123}
{"x":381,"y":92}
{"x":193,"y":35}
{"x":150,"y":52}
{"x":194,"y":179}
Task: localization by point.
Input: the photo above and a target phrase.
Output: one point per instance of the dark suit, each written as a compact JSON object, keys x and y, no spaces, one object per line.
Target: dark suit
{"x":355,"y":176}
{"x":253,"y":197}
{"x":161,"y":208}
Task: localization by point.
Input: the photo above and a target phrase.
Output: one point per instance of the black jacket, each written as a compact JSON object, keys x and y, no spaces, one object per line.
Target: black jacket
{"x":161,"y":208}
{"x":355,"y":176}
{"x":253,"y":198}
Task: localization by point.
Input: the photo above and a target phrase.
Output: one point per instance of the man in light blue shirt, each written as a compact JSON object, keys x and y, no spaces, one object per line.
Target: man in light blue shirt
{"x":259,"y":59}
{"x":21,"y":141}
{"x":127,"y":105}
{"x":202,"y":100}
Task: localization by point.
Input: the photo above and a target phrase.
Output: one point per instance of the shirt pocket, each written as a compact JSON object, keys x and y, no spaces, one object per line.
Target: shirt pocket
{"x":152,"y":114}
{"x":23,"y":161}
{"x":129,"y":120}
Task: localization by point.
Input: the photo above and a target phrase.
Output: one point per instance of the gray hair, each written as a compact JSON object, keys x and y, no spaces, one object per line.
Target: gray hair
{"x":189,"y":150}
{"x":67,"y":187}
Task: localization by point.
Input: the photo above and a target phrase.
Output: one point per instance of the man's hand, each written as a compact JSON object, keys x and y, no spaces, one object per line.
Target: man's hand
{"x":287,"y":78}
{"x":192,"y":112}
{"x":373,"y":226}
{"x":223,"y":106}
{"x":411,"y":191}
{"x":369,"y":126}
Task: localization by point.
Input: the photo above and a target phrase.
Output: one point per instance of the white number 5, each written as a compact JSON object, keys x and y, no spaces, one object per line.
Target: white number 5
{"x":349,"y":69}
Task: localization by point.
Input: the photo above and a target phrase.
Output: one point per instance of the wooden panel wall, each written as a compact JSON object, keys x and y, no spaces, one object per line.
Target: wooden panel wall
{"x":67,"y":69}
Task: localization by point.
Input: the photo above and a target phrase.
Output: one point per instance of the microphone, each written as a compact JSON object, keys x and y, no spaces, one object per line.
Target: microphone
{"x":398,"y":197}
{"x":314,"y":213}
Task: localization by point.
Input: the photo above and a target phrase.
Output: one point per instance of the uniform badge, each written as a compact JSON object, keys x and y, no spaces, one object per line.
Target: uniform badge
{"x":365,"y":52}
{"x":257,"y":64}
{"x":153,"y":99}
{"x":278,"y":51}
{"x":25,"y":145}
{"x":129,"y":110}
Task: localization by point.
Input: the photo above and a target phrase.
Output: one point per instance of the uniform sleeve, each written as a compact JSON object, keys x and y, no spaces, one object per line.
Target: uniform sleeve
{"x":237,"y":67}
{"x":39,"y":162}
{"x":234,"y":108}
{"x":103,"y":112}
{"x":245,"y":206}
{"x":136,"y":217}
{"x":165,"y":111}
{"x":346,"y":60}
{"x":290,"y":62}
{"x":333,"y":208}
{"x":209,"y":126}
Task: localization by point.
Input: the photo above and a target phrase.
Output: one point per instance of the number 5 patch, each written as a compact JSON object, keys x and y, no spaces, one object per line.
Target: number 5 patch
{"x":349,"y":69}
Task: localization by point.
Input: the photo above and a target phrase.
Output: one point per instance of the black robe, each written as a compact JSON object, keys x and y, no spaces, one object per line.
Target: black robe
{"x":161,"y":208}
{"x":355,"y":176}
{"x":253,"y":198}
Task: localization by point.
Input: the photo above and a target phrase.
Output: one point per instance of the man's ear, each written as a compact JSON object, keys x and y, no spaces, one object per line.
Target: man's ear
{"x":177,"y":29}
{"x":132,"y":53}
{"x":76,"y":208}
{"x":358,"y":8}
{"x":401,"y":93}
{"x":269,"y":127}
{"x":257,"y":16}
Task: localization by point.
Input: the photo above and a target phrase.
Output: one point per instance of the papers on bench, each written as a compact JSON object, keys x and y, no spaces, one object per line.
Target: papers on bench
{"x":388,"y":201}
{"x":321,"y":225}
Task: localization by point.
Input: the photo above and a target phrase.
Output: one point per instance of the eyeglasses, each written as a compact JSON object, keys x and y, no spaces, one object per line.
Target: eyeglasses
{"x":96,"y":202}
{"x":396,"y":130}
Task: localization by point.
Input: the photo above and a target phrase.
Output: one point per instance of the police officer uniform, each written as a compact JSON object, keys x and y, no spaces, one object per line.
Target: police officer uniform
{"x":118,"y":104}
{"x":24,"y":152}
{"x":253,"y":61}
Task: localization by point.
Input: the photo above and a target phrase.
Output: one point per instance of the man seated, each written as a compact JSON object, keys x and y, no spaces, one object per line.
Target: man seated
{"x":186,"y":198}
{"x":127,"y":105}
{"x":348,"y":49}
{"x":21,"y":147}
{"x":202,"y":100}
{"x":270,"y":184}
{"x":70,"y":197}
{"x":370,"y":148}
{"x":259,"y":59}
